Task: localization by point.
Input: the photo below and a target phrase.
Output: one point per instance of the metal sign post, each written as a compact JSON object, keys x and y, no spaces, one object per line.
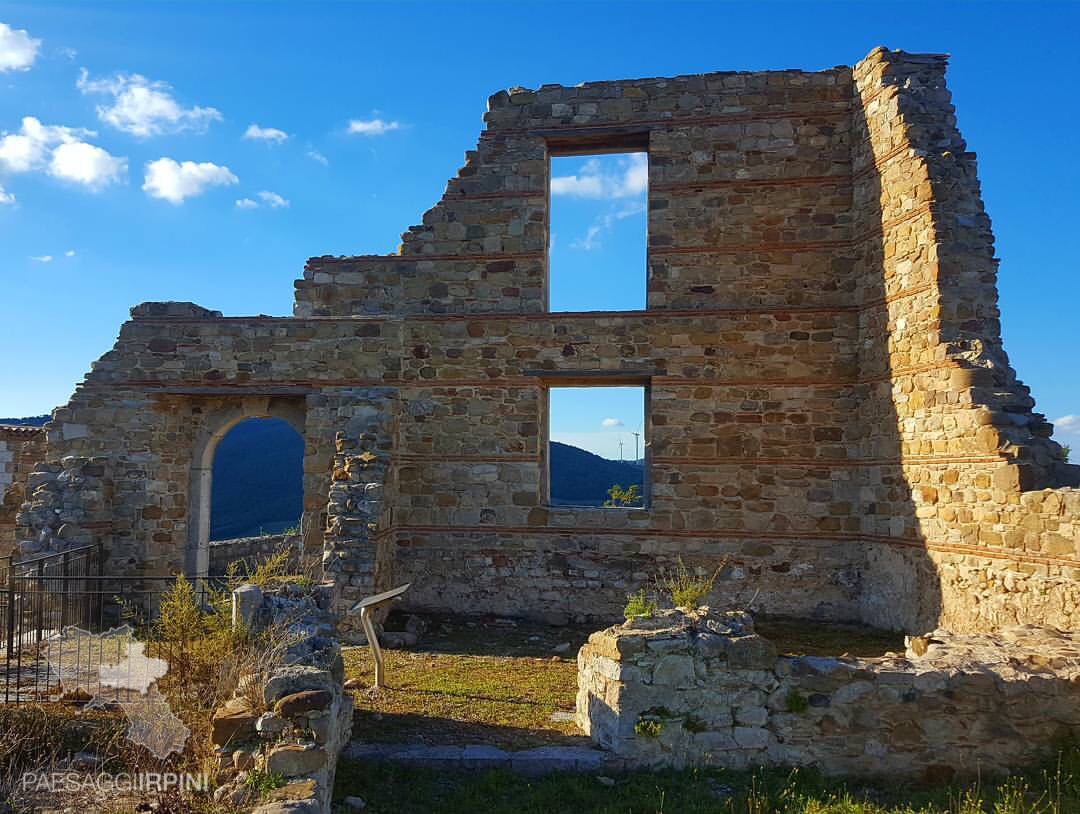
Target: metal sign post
{"x":366,"y":607}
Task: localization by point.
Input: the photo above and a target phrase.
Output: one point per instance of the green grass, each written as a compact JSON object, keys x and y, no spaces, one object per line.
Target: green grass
{"x":448,"y":699}
{"x":472,"y":681}
{"x":408,"y":790}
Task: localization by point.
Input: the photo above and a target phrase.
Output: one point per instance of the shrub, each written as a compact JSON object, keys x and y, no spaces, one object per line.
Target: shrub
{"x":209,"y":659}
{"x":261,"y":781}
{"x":639,"y":605}
{"x":269,"y":573}
{"x":686,"y":588}
{"x":617,"y":496}
{"x":647,"y":728}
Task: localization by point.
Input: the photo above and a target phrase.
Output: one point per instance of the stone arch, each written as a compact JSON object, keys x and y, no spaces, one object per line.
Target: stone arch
{"x":215,"y":426}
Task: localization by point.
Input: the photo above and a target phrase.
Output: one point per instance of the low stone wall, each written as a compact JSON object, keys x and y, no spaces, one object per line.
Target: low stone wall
{"x":250,"y":550}
{"x":704,"y":689}
{"x":20,"y":448}
{"x":304,"y":719}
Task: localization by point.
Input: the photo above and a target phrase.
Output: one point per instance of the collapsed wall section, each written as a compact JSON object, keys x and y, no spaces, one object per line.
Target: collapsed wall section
{"x":747,"y":171}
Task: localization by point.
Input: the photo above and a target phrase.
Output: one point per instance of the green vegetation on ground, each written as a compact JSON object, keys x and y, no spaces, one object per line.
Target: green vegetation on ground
{"x":1054,"y":789}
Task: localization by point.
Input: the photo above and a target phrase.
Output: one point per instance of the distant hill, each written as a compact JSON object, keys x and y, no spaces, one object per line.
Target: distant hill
{"x":258,"y":477}
{"x":32,"y":421}
{"x":258,"y":480}
{"x":580,"y":478}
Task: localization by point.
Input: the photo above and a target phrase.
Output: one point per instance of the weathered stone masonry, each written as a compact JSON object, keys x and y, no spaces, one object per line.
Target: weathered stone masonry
{"x":704,"y":689}
{"x":829,"y":403}
{"x":20,"y":448}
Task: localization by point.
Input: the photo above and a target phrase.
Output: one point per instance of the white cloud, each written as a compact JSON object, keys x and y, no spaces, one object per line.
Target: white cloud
{"x":315,"y":155}
{"x":29,"y":148}
{"x":604,"y":223}
{"x":143,"y":107}
{"x":18,"y":49}
{"x":86,"y":164}
{"x":173,"y":182}
{"x":1068,"y":425}
{"x":272,"y":199}
{"x":271,"y":134}
{"x":6,"y":197}
{"x":628,"y":178}
{"x":611,"y":422}
{"x":48,"y":258}
{"x":61,"y":152}
{"x":371,"y":127}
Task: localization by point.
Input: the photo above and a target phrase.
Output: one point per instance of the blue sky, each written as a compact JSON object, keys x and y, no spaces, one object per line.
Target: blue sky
{"x":129,"y":153}
{"x":598,"y":419}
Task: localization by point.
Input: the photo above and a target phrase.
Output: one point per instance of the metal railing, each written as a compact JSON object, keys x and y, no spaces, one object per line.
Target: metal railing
{"x":42,"y":596}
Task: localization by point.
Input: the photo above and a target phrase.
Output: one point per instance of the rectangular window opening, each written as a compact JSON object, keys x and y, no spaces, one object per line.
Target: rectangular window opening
{"x":598,"y":232}
{"x":597,"y":448}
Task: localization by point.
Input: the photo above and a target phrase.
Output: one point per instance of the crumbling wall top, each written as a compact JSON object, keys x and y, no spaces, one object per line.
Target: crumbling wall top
{"x":182,"y":310}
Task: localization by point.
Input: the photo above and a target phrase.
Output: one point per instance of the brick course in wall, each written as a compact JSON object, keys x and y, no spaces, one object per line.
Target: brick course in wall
{"x":829,"y":411}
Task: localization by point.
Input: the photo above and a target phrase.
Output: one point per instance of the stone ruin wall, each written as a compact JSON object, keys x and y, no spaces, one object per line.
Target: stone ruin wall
{"x":20,"y":448}
{"x":250,"y":551}
{"x":830,"y":410}
{"x":704,"y":689}
{"x":305,"y":715}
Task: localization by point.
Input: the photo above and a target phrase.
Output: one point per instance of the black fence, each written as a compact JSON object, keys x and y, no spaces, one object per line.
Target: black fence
{"x":47,"y":606}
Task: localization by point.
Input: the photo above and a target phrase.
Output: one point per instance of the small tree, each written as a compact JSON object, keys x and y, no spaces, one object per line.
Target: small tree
{"x":617,"y":496}
{"x":1066,"y":450}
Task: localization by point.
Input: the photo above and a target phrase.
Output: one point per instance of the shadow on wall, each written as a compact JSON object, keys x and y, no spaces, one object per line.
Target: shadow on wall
{"x":901,"y":588}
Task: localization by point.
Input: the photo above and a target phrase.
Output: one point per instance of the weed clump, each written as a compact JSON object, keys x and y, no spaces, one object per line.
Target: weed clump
{"x":639,"y":605}
{"x":647,"y":728}
{"x":263,"y":782}
{"x":687,"y":588}
{"x":619,"y":497}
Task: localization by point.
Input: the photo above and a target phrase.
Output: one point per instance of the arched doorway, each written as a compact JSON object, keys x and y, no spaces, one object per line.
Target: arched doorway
{"x":257,"y":485}
{"x":260,"y":469}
